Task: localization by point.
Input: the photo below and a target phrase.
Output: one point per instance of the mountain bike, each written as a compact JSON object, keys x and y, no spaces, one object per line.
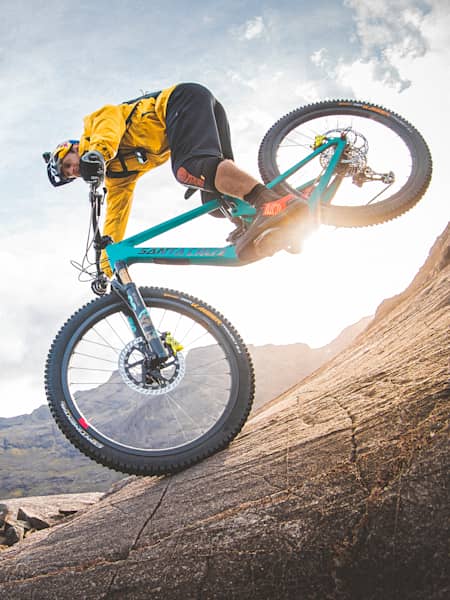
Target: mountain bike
{"x":151,"y":380}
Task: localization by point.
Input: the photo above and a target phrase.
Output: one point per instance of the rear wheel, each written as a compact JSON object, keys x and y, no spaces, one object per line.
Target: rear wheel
{"x":384,"y":171}
{"x":143,"y":420}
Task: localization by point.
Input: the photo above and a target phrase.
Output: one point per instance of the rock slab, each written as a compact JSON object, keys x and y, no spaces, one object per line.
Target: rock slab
{"x":337,"y":489}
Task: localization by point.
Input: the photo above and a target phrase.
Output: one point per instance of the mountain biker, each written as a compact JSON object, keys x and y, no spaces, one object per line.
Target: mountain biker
{"x":186,"y":122}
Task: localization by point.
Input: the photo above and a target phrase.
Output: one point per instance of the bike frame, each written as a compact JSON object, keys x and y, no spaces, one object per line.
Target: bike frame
{"x":122,"y":254}
{"x":127,"y":252}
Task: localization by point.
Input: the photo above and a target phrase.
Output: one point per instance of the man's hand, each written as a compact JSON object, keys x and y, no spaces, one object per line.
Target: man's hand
{"x":92,"y":167}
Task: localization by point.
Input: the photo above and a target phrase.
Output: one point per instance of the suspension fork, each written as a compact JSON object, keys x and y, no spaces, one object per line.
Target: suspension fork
{"x":128,"y":291}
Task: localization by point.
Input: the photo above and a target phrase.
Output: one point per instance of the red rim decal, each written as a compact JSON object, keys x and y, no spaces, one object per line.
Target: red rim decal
{"x":83,"y":423}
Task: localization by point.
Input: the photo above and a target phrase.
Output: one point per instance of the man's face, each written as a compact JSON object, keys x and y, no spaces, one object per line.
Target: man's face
{"x":70,"y":165}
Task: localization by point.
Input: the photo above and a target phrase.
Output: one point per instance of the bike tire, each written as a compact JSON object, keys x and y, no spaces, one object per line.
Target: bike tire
{"x":409,"y":191}
{"x":95,"y":430}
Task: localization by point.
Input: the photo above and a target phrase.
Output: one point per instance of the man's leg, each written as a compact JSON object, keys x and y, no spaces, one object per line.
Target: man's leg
{"x":202,"y":157}
{"x":233,"y":181}
{"x":276,"y":224}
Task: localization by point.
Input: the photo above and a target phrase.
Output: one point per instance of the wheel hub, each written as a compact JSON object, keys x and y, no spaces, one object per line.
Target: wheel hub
{"x":144,"y":375}
{"x":354,"y":157}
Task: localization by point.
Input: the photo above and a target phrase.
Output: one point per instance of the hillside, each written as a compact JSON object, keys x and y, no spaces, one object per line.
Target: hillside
{"x":37,"y":459}
{"x":336,"y":489}
{"x":278,"y":368}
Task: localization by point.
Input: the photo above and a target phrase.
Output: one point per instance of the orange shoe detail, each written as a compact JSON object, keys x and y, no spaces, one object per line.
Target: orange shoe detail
{"x":271,"y":209}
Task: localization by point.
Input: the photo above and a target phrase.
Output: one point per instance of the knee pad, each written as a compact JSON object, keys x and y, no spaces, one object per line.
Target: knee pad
{"x":199,"y":172}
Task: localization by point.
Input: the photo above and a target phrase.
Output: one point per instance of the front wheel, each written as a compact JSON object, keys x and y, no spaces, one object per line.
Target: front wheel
{"x":149,"y":421}
{"x":384,"y":170}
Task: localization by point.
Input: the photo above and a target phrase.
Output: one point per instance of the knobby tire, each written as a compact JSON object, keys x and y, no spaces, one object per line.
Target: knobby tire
{"x":153,"y":461}
{"x":352,"y":216}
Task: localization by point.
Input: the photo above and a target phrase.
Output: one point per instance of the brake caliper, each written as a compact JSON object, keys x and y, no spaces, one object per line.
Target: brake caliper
{"x":319,"y":140}
{"x":172,"y":343}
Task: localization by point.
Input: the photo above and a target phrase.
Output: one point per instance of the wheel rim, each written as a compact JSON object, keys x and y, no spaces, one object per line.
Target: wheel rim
{"x":374,"y":144}
{"x":119,"y":415}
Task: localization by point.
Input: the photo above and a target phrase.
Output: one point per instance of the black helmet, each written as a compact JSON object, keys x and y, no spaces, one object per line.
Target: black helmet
{"x":54,"y":160}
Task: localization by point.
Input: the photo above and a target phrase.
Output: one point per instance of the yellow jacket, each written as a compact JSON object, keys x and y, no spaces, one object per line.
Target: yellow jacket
{"x":117,"y":132}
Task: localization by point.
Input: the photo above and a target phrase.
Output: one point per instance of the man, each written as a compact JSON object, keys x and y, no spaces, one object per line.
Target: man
{"x":122,"y":142}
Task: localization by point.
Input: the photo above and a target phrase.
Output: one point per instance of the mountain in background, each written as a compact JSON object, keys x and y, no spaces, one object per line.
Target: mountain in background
{"x":36,"y":459}
{"x":278,"y":368}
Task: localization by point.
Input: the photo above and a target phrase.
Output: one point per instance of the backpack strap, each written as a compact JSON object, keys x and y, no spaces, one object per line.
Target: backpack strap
{"x":139,"y":152}
{"x":136,"y":101}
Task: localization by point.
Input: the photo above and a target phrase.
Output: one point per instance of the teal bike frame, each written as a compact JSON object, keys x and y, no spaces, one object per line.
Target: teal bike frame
{"x":128,"y":251}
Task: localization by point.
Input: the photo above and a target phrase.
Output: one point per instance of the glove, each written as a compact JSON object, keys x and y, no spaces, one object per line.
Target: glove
{"x":92,"y":167}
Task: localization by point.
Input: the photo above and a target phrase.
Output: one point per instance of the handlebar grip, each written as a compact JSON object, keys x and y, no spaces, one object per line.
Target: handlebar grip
{"x":92,"y":167}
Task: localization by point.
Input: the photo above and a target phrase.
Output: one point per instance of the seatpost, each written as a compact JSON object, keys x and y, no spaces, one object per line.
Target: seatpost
{"x":129,"y":292}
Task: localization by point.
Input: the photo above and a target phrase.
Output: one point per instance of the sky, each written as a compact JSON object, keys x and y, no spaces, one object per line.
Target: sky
{"x":60,"y":61}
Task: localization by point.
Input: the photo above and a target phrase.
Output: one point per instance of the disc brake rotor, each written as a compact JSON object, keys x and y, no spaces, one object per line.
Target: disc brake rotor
{"x":354,"y":157}
{"x":136,"y":372}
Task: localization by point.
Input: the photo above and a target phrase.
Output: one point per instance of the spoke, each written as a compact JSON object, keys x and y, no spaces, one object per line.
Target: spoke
{"x":107,"y":345}
{"x":212,"y":385}
{"x":176,"y":419}
{"x":282,"y":146}
{"x":290,"y":138}
{"x":113,"y":362}
{"x":185,"y":335}
{"x":159,"y":326}
{"x":175,"y":328}
{"x":115,"y":332}
{"x":172,"y":399}
{"x":202,"y":366}
{"x":201,"y":336}
{"x":126,"y":322}
{"x":96,"y":383}
{"x":71,"y":368}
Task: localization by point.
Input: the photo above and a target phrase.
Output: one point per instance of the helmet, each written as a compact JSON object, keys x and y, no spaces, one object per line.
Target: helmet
{"x":54,"y":160}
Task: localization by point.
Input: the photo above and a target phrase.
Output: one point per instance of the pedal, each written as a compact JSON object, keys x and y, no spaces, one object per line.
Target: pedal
{"x":236,"y":233}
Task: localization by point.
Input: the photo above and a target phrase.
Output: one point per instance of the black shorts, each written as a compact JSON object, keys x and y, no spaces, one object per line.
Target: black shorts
{"x":198,"y":134}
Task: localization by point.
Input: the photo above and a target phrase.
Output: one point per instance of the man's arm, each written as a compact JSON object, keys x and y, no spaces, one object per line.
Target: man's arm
{"x":104,"y":128}
{"x":118,"y":205}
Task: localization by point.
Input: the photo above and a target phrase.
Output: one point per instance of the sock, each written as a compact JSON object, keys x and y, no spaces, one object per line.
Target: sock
{"x":259,"y":195}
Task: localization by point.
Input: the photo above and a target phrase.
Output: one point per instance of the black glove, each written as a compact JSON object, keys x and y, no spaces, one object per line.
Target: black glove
{"x":92,"y":167}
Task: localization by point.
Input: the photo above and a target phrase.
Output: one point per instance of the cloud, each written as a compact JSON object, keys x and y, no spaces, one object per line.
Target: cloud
{"x":254,"y":28}
{"x":387,"y":31}
{"x":319,"y":57}
{"x":261,"y":61}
